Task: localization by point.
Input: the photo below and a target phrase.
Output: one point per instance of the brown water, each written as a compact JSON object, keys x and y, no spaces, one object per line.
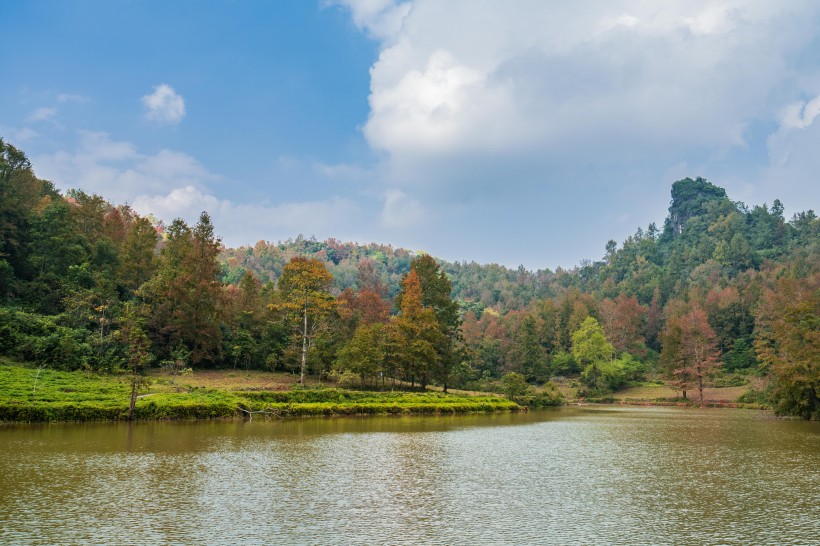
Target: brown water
{"x":596,"y":475}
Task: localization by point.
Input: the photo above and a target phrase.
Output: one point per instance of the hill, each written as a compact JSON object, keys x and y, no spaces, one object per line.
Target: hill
{"x":722,"y":293}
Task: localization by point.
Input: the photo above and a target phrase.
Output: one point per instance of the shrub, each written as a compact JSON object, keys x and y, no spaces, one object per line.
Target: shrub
{"x":754,"y":396}
{"x":729,"y":380}
{"x":345,"y":378}
{"x":514,"y":385}
{"x":40,"y":339}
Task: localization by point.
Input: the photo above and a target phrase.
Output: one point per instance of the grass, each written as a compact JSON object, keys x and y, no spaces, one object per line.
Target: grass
{"x":663,"y":392}
{"x":656,"y":393}
{"x":233,"y":380}
{"x":29,"y":394}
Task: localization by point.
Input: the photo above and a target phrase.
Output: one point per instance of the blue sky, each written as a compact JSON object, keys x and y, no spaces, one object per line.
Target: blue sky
{"x":525,"y":132}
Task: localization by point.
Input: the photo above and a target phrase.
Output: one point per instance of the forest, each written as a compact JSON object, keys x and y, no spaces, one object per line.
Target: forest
{"x":719,"y":294}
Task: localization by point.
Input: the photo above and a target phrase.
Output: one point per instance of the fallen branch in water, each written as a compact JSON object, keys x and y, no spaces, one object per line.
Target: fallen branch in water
{"x":266,"y":413}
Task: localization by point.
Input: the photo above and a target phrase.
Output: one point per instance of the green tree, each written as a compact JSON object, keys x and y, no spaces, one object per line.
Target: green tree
{"x":305,"y":285}
{"x":185,"y":294}
{"x":529,"y":355}
{"x":21,"y":197}
{"x":591,"y":350}
{"x":787,"y":340}
{"x":436,"y":295}
{"x":138,"y":260}
{"x":132,"y":336}
{"x":514,"y":385}
{"x":691,"y":198}
{"x":245,"y":318}
{"x":364,"y":354}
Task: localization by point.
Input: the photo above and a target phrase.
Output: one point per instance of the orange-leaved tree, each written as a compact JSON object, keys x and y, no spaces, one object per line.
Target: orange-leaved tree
{"x":690,"y":352}
{"x":418,"y":331}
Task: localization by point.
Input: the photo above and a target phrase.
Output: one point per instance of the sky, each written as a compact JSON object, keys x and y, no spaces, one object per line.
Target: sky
{"x":528,"y":132}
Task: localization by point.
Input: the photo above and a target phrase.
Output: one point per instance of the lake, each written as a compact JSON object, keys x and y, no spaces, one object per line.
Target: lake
{"x":576,"y":475}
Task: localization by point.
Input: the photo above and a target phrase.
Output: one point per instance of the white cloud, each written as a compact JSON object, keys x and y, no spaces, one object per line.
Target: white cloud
{"x":186,"y":202}
{"x":171,"y":184}
{"x":42,"y":114}
{"x":801,"y":114}
{"x":796,"y":121}
{"x":381,"y":19}
{"x":17,"y":135}
{"x":623,"y":20}
{"x":341,"y":171}
{"x":65,"y":97}
{"x":606,"y":79}
{"x":793,"y":159}
{"x":526,"y":109}
{"x":164,"y":105}
{"x":441,"y":108}
{"x":401,"y":211}
{"x":243,"y":223}
{"x":116,"y":170}
{"x":712,"y":19}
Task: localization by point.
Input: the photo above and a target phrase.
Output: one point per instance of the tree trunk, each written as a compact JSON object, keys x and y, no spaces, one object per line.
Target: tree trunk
{"x":133,"y":399}
{"x":304,"y":348}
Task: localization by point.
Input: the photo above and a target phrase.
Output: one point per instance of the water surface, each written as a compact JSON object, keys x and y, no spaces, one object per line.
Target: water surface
{"x":587,"y":475}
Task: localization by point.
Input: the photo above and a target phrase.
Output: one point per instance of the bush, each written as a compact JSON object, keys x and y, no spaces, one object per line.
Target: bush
{"x":755,"y":397}
{"x":547,"y":396}
{"x":516,"y":389}
{"x":345,"y":378}
{"x":608,"y":376}
{"x":563,"y":364}
{"x":40,"y":339}
{"x":729,"y":380}
{"x":514,"y":385}
{"x":633,"y":370}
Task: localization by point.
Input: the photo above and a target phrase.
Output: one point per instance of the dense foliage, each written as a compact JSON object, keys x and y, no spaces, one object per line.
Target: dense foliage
{"x":722,"y":288}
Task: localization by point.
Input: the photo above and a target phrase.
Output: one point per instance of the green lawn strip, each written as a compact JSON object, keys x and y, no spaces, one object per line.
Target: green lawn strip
{"x":385,"y":408}
{"x":31,"y":395}
{"x":33,"y":385}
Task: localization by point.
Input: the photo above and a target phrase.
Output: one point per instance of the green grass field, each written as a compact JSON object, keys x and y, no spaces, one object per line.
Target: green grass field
{"x":28,"y":394}
{"x":659,"y":392}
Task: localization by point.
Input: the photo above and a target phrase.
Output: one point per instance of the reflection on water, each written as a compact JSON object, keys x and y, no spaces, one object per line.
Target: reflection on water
{"x":573,"y":475}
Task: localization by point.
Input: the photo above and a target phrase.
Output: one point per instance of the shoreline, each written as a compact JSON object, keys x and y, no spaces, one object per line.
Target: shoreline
{"x":40,"y":395}
{"x":184,"y":410}
{"x":671,"y":403}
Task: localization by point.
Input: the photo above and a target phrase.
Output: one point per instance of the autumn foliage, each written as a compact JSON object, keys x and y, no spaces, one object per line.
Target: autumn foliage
{"x":718,"y":292}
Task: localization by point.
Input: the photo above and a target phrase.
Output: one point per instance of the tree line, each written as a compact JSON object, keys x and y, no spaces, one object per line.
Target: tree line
{"x":721,"y":291}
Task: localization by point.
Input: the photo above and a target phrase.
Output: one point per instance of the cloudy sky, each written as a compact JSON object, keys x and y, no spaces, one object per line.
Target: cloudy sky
{"x":526,"y":132}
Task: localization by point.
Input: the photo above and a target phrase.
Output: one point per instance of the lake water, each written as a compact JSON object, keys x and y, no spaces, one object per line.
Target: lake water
{"x":581,"y":475}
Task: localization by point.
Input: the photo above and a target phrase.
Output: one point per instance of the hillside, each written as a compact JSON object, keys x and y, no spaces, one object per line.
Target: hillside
{"x":722,"y":293}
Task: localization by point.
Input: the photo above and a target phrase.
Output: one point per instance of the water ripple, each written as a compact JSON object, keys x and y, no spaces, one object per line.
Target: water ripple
{"x":574,"y":476}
